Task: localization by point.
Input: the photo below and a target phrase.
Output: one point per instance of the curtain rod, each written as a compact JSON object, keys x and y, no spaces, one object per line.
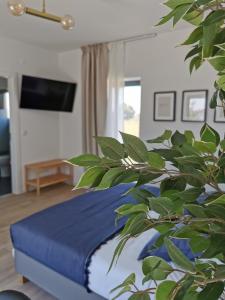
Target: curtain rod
{"x":128,"y":39}
{"x":135,"y":38}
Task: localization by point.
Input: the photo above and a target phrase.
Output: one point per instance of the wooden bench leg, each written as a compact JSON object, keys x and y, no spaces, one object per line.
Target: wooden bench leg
{"x":23,"y":280}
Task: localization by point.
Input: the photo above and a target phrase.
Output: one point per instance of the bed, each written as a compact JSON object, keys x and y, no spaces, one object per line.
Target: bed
{"x":67,"y":249}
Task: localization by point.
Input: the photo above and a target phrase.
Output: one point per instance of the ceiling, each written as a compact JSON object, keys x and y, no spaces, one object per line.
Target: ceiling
{"x":96,"y":21}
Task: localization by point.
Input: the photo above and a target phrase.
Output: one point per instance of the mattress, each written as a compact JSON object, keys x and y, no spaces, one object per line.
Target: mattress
{"x":102,"y":282}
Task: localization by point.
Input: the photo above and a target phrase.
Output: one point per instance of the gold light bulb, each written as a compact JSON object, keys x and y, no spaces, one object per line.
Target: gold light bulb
{"x":67,"y":22}
{"x":16,"y":7}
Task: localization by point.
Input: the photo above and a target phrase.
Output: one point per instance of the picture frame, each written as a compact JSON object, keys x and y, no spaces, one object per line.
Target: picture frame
{"x":219,"y":115}
{"x":165,"y":106}
{"x":194,"y":106}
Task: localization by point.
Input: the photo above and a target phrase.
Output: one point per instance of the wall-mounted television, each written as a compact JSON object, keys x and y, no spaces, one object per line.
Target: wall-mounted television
{"x":47,"y":94}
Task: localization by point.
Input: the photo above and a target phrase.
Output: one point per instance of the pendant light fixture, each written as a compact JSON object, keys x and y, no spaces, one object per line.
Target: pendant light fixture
{"x":18,"y":8}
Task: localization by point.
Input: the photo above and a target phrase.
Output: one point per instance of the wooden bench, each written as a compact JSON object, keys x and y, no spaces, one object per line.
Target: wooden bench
{"x":41,"y":180}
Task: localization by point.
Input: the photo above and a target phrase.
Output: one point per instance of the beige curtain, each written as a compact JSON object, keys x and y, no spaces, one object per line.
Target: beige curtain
{"x":95,"y":65}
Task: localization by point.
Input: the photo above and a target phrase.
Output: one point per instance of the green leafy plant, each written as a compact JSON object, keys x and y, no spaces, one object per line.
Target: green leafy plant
{"x":207,"y":40}
{"x":184,"y":167}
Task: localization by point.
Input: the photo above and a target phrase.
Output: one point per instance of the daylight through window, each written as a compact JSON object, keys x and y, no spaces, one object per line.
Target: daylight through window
{"x":132,"y":107}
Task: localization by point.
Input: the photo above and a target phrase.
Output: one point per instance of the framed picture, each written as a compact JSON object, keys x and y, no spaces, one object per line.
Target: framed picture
{"x":164,"y":106}
{"x":219,"y":116}
{"x":194,"y":106}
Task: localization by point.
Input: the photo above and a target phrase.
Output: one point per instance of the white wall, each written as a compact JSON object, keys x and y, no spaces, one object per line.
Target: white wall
{"x":161,"y":66}
{"x":71,"y":124}
{"x":39,"y":130}
{"x":157,"y":61}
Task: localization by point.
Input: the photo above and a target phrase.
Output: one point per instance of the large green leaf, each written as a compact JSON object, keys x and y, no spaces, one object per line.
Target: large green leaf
{"x":128,"y":209}
{"x":195,"y":50}
{"x":222,"y":144}
{"x":212,"y":291}
{"x":110,"y":177}
{"x":193,"y":160}
{"x":168,"y":154}
{"x":195,"y":63}
{"x":189,"y":136}
{"x":156,"y":267}
{"x":130,"y":280}
{"x":216,"y":211}
{"x":216,"y":246}
{"x":213,"y":101}
{"x":221,"y":46}
{"x":165,"y":289}
{"x":118,"y":252}
{"x":196,"y":210}
{"x":214,"y":17}
{"x":111,"y":147}
{"x":193,"y":17}
{"x":127,"y":177}
{"x":165,"y":136}
{"x":203,"y":2}
{"x":162,"y":205}
{"x":190,"y":195}
{"x":199,"y":243}
{"x":135,"y":147}
{"x":220,"y":272}
{"x":155,"y":160}
{"x":208,"y":135}
{"x":205,"y":147}
{"x":124,"y":290}
{"x":195,"y":36}
{"x":85,"y":160}
{"x":173,"y":183}
{"x":140,"y":296}
{"x":91,"y":178}
{"x":207,"y":40}
{"x":221,"y":79}
{"x":136,"y":224}
{"x":187,"y":150}
{"x":166,"y":18}
{"x":174,"y":3}
{"x":218,"y":64}
{"x":221,"y":162}
{"x":178,"y":138}
{"x":192,"y":176}
{"x":141,"y":195}
{"x":147,"y":178}
{"x":183,"y":288}
{"x":219,"y":200}
{"x":178,"y":257}
{"x":180,"y":12}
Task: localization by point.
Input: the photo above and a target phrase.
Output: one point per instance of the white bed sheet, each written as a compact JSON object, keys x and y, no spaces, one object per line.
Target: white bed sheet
{"x":102,"y":283}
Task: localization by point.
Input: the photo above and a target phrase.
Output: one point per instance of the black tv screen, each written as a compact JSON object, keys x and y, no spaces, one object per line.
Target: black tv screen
{"x":46,"y":94}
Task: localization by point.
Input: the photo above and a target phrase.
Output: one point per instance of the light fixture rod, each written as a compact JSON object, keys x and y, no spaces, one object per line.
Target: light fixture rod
{"x":42,"y":14}
{"x":44,"y":6}
{"x":18,"y":8}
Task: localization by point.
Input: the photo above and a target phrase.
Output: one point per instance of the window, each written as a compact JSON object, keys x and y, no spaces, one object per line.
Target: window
{"x":7,"y":105}
{"x":132,"y":107}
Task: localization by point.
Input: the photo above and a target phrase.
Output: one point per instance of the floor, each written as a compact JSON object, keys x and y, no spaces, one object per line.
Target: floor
{"x":5,"y":186}
{"x":15,"y":208}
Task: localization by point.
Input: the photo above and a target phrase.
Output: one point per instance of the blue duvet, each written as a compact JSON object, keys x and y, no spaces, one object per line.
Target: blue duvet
{"x":65,"y":236}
